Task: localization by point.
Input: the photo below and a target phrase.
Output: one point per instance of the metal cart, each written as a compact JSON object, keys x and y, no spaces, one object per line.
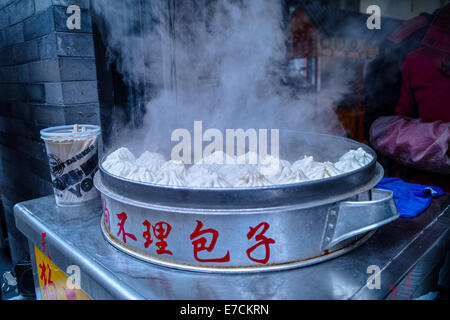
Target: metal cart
{"x":400,"y":261}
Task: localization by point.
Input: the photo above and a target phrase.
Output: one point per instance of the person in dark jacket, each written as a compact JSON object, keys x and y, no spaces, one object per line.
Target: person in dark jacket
{"x":407,"y":119}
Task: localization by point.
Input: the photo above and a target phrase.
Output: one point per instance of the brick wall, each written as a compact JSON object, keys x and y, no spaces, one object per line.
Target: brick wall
{"x":47,"y":78}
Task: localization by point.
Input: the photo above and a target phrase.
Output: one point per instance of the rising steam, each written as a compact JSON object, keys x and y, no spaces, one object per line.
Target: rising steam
{"x":222,"y":62}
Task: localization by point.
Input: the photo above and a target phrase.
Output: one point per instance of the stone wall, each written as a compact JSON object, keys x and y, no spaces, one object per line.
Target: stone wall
{"x":47,"y":78}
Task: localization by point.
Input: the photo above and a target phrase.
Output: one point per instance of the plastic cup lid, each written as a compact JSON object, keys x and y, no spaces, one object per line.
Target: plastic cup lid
{"x":67,"y":132}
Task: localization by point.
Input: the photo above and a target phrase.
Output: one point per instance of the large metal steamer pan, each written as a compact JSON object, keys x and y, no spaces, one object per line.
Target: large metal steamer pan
{"x":268,"y":228}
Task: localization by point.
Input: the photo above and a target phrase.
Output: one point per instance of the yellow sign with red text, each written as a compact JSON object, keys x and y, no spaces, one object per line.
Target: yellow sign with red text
{"x":53,"y":282}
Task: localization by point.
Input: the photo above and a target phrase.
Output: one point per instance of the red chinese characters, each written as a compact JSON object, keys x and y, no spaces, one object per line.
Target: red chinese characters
{"x":49,"y":287}
{"x":123,"y":217}
{"x":263,"y":240}
{"x":161,"y":231}
{"x":106,"y":215}
{"x":147,"y":234}
{"x":202,"y":239}
{"x":44,"y":244}
{"x":200,"y":243}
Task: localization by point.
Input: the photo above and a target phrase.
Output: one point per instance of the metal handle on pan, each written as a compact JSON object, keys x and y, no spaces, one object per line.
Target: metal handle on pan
{"x":351,"y":218}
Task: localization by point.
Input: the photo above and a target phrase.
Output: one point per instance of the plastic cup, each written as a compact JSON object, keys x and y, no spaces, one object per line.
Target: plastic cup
{"x":73,"y":158}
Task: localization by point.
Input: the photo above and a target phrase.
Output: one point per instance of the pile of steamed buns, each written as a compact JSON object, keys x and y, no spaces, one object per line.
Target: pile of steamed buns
{"x":220,"y":170}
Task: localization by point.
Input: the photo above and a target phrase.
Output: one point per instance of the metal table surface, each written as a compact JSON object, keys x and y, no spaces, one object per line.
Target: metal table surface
{"x":73,"y":237}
